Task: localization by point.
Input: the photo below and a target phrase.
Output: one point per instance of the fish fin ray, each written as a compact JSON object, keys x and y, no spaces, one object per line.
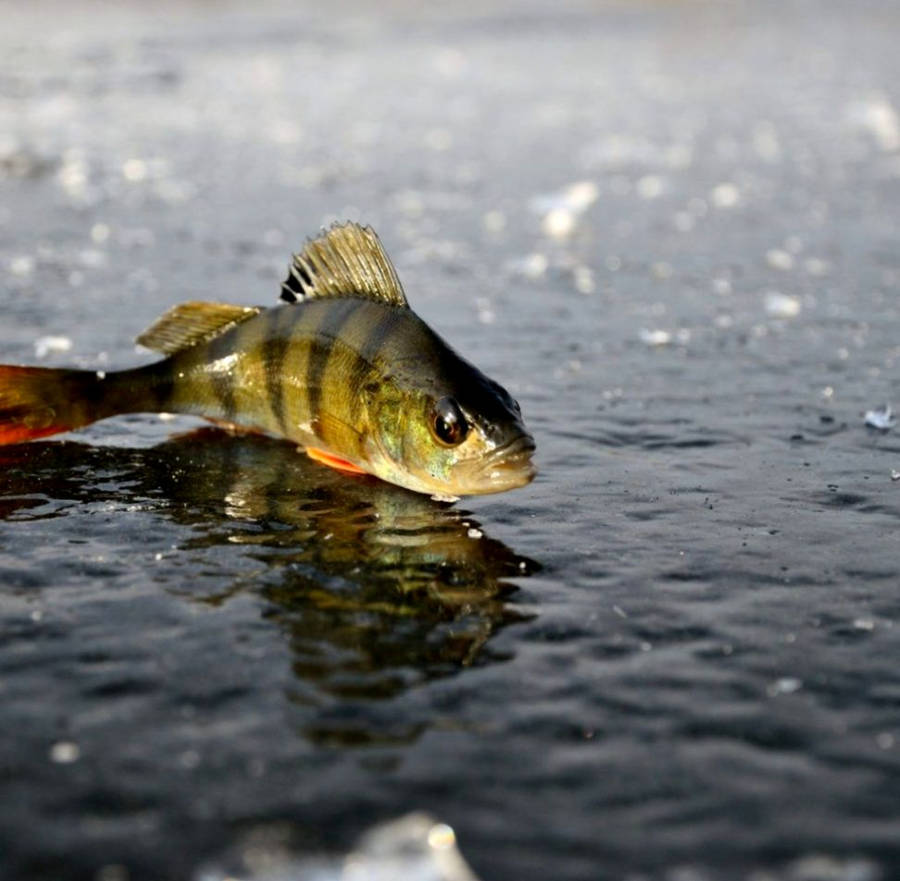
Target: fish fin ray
{"x":347,"y":260}
{"x":333,"y":461}
{"x":193,"y":322}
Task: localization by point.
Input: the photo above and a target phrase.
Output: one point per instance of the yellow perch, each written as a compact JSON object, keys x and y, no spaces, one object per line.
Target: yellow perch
{"x":343,"y":368}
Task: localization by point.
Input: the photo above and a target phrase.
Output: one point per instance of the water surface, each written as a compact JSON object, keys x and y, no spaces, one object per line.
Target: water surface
{"x":671,"y":231}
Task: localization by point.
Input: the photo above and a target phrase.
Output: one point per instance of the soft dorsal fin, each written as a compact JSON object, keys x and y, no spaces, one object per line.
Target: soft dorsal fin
{"x":347,"y":260}
{"x":190,"y":323}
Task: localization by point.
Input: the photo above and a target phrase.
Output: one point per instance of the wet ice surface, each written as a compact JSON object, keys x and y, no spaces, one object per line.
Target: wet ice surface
{"x":671,"y":231}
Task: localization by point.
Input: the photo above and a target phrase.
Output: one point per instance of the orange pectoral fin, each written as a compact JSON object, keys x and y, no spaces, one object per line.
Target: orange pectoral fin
{"x":333,"y":461}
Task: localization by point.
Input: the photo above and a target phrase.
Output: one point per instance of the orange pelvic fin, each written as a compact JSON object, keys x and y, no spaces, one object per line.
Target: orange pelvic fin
{"x":333,"y":461}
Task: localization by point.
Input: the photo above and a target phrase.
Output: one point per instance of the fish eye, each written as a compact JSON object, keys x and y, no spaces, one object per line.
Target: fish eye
{"x":448,"y":424}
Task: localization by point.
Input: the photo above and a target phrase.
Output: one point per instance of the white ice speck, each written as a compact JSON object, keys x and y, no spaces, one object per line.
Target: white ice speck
{"x":165,"y":417}
{"x":878,"y":115}
{"x":725,"y":195}
{"x":189,"y":759}
{"x":785,"y":685}
{"x":881,"y":418}
{"x":895,"y":474}
{"x":64,"y":752}
{"x":134,"y":170}
{"x":101,"y":374}
{"x":474,"y":533}
{"x":99,"y":233}
{"x":780,"y":305}
{"x":650,"y":186}
{"x":562,"y":209}
{"x":654,"y":337}
{"x":494,"y":221}
{"x":823,"y":867}
{"x":22,"y":265}
{"x":44,"y":345}
{"x":885,"y":739}
{"x":583,"y":277}
{"x":92,"y":257}
{"x":765,"y":142}
{"x":531,"y":266}
{"x":817,"y":267}
{"x":73,"y":174}
{"x":558,"y":223}
{"x":486,"y":314}
{"x":779,"y":259}
{"x":864,"y":624}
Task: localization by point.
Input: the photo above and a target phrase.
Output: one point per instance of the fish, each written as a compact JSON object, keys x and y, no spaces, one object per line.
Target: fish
{"x":341,"y":366}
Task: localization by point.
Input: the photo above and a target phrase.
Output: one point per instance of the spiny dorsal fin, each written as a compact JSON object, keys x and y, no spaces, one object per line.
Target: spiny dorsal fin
{"x":190,"y":323}
{"x":346,"y":261}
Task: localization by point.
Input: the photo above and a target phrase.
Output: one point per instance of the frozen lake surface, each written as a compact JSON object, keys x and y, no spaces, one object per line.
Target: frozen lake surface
{"x":671,"y":230}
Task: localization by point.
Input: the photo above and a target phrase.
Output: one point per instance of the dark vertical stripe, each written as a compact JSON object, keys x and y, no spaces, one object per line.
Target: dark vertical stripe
{"x":274,"y":351}
{"x":328,"y":331}
{"x":364,"y":368}
{"x":223,"y":383}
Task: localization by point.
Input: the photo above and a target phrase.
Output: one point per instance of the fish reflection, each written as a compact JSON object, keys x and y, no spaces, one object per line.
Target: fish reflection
{"x":375,"y":587}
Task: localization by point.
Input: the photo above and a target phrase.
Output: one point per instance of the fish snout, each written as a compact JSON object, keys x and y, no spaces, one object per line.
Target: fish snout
{"x":510,"y":466}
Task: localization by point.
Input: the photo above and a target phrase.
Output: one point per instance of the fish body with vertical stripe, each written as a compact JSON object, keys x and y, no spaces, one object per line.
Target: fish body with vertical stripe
{"x":343,"y":368}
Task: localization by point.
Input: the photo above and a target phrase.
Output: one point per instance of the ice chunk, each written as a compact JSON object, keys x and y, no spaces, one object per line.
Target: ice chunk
{"x":22,"y":265}
{"x":725,"y":195}
{"x":779,"y":259}
{"x":780,"y":305}
{"x":878,"y":115}
{"x":44,"y":345}
{"x":64,"y":752}
{"x":654,"y":337}
{"x":413,"y":848}
{"x":785,"y":685}
{"x":881,"y":418}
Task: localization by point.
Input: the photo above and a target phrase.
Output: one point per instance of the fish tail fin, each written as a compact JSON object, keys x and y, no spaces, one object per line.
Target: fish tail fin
{"x":40,"y":401}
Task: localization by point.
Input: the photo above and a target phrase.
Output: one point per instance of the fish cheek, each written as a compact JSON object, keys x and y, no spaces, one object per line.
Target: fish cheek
{"x":387,"y":416}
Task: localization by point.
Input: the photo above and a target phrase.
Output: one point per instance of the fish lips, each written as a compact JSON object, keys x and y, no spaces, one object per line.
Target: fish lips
{"x":509,"y":466}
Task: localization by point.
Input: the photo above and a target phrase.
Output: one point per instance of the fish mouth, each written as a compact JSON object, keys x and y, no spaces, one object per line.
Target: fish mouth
{"x":509,"y":466}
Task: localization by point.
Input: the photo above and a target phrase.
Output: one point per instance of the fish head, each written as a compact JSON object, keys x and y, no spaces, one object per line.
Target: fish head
{"x":450,"y":438}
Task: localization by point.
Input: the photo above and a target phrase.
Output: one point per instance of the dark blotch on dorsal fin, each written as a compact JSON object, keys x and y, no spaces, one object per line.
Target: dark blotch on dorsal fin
{"x":193,"y":322}
{"x":347,"y":260}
